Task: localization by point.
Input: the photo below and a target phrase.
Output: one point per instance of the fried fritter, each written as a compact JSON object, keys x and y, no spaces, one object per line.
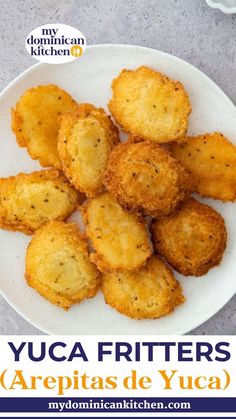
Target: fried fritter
{"x":86,"y":137}
{"x":144,"y":178}
{"x":150,"y":105}
{"x":120,"y":239}
{"x":58,"y":266}
{"x":211,"y":159}
{"x":35,"y":121}
{"x":149,"y":293}
{"x":27,"y":201}
{"x":192,"y":240}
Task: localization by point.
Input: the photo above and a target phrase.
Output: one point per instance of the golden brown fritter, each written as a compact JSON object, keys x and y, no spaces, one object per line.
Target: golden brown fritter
{"x":192,"y":240}
{"x":35,"y":121}
{"x":149,"y":293}
{"x":150,"y":105}
{"x":58,"y":266}
{"x":86,"y":137}
{"x":144,"y":178}
{"x":211,"y":159}
{"x":120,"y":239}
{"x":27,"y":201}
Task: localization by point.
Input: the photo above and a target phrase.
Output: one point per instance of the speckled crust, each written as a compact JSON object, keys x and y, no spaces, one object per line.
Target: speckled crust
{"x":58,"y":265}
{"x":211,"y":160}
{"x":86,"y":137}
{"x":27,"y":201}
{"x":192,"y":240}
{"x":150,"y":293}
{"x":120,"y":239}
{"x":150,"y":105}
{"x":35,"y":121}
{"x":144,"y":178}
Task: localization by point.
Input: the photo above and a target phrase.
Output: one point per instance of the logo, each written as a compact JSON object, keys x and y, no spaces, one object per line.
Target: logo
{"x":55,"y":43}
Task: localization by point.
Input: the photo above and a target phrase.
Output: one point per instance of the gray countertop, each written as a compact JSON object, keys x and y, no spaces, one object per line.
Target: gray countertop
{"x":186,"y":28}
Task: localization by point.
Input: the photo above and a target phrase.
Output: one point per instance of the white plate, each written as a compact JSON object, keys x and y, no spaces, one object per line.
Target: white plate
{"x":226,"y":6}
{"x":88,"y":79}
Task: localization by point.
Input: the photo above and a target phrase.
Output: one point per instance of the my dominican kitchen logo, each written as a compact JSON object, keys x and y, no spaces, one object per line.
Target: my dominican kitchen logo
{"x":55,"y":43}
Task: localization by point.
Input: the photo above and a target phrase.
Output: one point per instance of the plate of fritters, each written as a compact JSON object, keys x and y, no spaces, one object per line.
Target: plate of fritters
{"x":117,"y":190}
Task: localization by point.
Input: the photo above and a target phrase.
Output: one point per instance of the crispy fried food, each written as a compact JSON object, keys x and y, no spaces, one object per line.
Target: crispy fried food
{"x":147,"y":294}
{"x":86,"y":137}
{"x":120,"y":239}
{"x":58,"y":266}
{"x":211,"y":159}
{"x":150,"y":105}
{"x":35,"y":121}
{"x":144,"y":178}
{"x":192,"y":240}
{"x":27,"y":201}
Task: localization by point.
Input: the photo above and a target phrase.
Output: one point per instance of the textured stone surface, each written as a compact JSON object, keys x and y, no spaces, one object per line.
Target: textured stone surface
{"x":186,"y":28}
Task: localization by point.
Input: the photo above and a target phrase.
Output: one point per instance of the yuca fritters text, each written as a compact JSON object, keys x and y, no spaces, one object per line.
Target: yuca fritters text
{"x":35,"y":121}
{"x":211,"y":159}
{"x":27,"y":201}
{"x":148,"y":293}
{"x":144,"y":178}
{"x":58,"y":266}
{"x":120,"y":239}
{"x":150,"y":105}
{"x":192,"y":240}
{"x":86,"y":138}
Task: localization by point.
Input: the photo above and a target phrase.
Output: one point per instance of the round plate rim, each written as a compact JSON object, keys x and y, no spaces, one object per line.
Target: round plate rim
{"x":126,"y":46}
